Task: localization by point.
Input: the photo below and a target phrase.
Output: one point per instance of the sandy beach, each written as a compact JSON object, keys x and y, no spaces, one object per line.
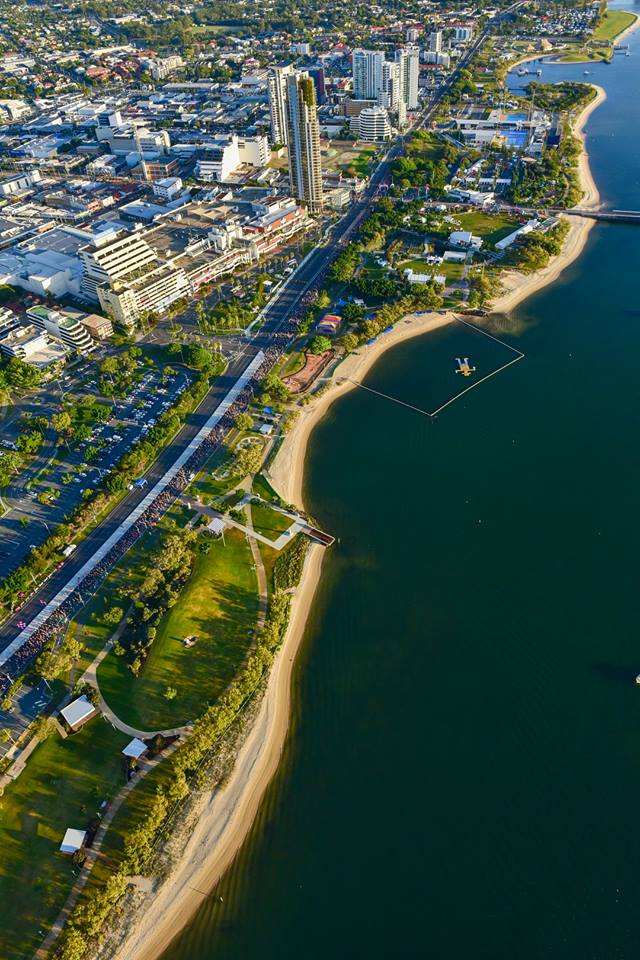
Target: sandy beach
{"x":227,"y":815}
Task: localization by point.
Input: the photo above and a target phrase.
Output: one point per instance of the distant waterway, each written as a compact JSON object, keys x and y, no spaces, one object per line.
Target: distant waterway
{"x":462,"y":777}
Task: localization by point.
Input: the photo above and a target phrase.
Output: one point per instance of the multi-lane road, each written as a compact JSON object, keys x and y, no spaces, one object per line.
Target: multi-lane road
{"x":284,"y":304}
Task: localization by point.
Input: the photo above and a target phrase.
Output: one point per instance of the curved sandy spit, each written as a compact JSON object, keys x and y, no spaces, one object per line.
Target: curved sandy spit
{"x":229,"y":813}
{"x":556,"y":58}
{"x":625,"y":33}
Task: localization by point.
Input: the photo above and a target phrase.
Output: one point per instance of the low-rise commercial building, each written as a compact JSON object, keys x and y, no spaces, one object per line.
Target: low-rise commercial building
{"x":464,"y":238}
{"x":22,"y":181}
{"x":100,"y":328}
{"x":33,"y":346}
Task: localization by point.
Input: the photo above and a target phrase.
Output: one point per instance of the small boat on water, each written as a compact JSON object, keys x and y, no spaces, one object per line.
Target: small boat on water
{"x":638,"y":679}
{"x":538,"y":73}
{"x":586,"y":73}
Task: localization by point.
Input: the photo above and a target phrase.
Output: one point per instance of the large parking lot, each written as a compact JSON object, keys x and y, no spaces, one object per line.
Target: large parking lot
{"x":56,"y":483}
{"x":130,"y":420}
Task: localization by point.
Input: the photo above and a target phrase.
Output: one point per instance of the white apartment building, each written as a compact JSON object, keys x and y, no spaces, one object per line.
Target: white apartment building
{"x":277,"y":84}
{"x":226,"y":154}
{"x":105,"y":118}
{"x":462,"y":34}
{"x":367,"y":66}
{"x":127,"y":300}
{"x":133,"y":139}
{"x":167,"y":189}
{"x":434,"y":42}
{"x":159,"y":68}
{"x":254,"y":151}
{"x":442,"y":59}
{"x":8,"y":321}
{"x":389,"y":94}
{"x":408,"y":60}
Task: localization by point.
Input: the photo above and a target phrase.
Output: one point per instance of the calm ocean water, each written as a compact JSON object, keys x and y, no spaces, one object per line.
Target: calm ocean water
{"x":462,"y":777}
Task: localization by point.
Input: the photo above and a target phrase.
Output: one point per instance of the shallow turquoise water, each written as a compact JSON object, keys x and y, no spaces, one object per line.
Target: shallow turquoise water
{"x":463,"y":773}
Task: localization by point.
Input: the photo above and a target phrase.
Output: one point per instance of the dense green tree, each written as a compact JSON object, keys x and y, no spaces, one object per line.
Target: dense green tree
{"x":319,"y":344}
{"x":244,"y":421}
{"x":274,"y":389}
{"x":30,"y":441}
{"x":113,"y":615}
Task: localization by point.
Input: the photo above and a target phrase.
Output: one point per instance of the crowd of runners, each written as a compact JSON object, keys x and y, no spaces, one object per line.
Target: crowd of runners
{"x":55,"y":625}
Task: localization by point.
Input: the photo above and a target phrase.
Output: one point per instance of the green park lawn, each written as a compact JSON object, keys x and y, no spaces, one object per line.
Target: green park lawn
{"x":613,"y":24}
{"x":348,"y":155}
{"x":291,"y":363}
{"x":452,"y":271}
{"x":371,"y":268}
{"x":62,"y":786}
{"x":206,"y":485}
{"x":218,"y":605}
{"x":270,"y":523}
{"x":263,"y":489}
{"x":212,"y":28}
{"x":364,"y":162}
{"x":582,"y":54}
{"x":491,"y":227}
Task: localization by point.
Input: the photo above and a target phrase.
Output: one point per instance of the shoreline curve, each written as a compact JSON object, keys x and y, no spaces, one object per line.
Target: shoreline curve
{"x":229,"y":813}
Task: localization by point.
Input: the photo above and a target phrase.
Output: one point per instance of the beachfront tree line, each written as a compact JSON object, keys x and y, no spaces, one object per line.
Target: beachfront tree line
{"x":379,"y":231}
{"x":553,"y":181}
